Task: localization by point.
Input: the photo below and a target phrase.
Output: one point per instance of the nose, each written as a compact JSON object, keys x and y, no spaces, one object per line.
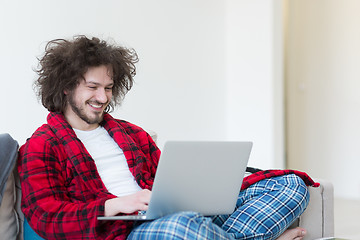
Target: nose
{"x":101,"y":95}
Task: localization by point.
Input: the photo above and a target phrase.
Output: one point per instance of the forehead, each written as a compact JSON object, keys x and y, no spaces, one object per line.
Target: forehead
{"x":99,"y":74}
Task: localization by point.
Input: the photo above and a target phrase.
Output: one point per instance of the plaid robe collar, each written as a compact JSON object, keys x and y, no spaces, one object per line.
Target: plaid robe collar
{"x":82,"y":161}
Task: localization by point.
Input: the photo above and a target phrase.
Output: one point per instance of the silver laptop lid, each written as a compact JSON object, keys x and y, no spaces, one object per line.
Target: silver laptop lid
{"x":203,"y":177}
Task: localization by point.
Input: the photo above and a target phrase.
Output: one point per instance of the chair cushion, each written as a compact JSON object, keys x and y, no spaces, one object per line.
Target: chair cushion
{"x":9,"y":226}
{"x":29,"y":233}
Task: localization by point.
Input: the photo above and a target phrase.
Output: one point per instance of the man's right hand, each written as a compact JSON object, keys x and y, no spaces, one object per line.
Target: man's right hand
{"x":128,"y":204}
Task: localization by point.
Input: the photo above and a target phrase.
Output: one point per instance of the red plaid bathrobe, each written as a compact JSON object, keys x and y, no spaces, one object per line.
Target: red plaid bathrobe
{"x":62,"y":190}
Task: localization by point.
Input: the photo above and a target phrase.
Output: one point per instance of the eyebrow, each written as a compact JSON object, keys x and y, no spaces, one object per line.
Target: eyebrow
{"x":98,"y":84}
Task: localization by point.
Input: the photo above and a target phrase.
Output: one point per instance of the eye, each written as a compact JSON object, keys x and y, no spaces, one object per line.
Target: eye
{"x":92,"y":87}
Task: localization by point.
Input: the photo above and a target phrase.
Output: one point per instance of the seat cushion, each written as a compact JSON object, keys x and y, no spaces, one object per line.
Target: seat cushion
{"x":29,"y":233}
{"x":9,"y":226}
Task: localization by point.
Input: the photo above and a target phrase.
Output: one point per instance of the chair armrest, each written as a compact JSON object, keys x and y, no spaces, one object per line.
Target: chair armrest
{"x":318,"y":218}
{"x":153,"y":135}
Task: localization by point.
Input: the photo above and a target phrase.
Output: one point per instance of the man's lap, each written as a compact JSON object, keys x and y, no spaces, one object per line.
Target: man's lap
{"x":264,"y":210}
{"x":183,"y":225}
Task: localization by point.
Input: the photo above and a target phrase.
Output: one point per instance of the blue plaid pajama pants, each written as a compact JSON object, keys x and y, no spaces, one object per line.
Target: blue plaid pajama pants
{"x":263,"y":211}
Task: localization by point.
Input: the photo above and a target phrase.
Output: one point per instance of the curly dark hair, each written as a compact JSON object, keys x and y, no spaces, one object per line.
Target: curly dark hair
{"x":65,"y":62}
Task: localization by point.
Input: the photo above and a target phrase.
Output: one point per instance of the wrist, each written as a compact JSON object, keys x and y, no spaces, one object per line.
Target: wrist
{"x":111,"y":207}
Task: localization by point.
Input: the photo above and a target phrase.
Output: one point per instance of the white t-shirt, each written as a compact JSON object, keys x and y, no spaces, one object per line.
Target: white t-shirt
{"x":110,"y":161}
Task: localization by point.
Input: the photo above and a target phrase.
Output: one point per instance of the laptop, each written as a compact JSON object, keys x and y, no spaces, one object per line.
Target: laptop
{"x":202,"y":176}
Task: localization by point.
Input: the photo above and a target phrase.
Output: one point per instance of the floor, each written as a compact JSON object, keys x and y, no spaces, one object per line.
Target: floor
{"x":347,"y":218}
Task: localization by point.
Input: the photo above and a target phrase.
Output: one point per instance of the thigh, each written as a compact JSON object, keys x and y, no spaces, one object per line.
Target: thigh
{"x":184,"y":225}
{"x":267,"y":208}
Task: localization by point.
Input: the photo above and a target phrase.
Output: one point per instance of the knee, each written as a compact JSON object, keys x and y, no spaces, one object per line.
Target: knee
{"x":297,"y":190}
{"x":295,"y":182}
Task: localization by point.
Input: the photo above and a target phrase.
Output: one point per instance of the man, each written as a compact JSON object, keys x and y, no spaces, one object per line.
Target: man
{"x":84,"y":163}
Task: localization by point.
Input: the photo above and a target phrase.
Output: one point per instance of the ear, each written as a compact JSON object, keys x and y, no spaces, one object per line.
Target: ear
{"x":66,"y":92}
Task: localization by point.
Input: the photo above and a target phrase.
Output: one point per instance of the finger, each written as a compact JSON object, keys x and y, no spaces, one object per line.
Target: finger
{"x":145,"y":196}
{"x":142,"y":207}
{"x":145,"y":207}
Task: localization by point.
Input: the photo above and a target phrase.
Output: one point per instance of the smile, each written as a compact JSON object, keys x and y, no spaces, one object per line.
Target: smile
{"x":96,"y":106}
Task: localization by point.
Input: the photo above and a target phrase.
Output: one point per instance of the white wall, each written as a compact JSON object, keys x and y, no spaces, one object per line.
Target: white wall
{"x":206,"y":68}
{"x":255,"y":79}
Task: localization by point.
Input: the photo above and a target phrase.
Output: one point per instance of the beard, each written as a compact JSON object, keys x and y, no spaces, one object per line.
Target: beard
{"x":89,"y":118}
